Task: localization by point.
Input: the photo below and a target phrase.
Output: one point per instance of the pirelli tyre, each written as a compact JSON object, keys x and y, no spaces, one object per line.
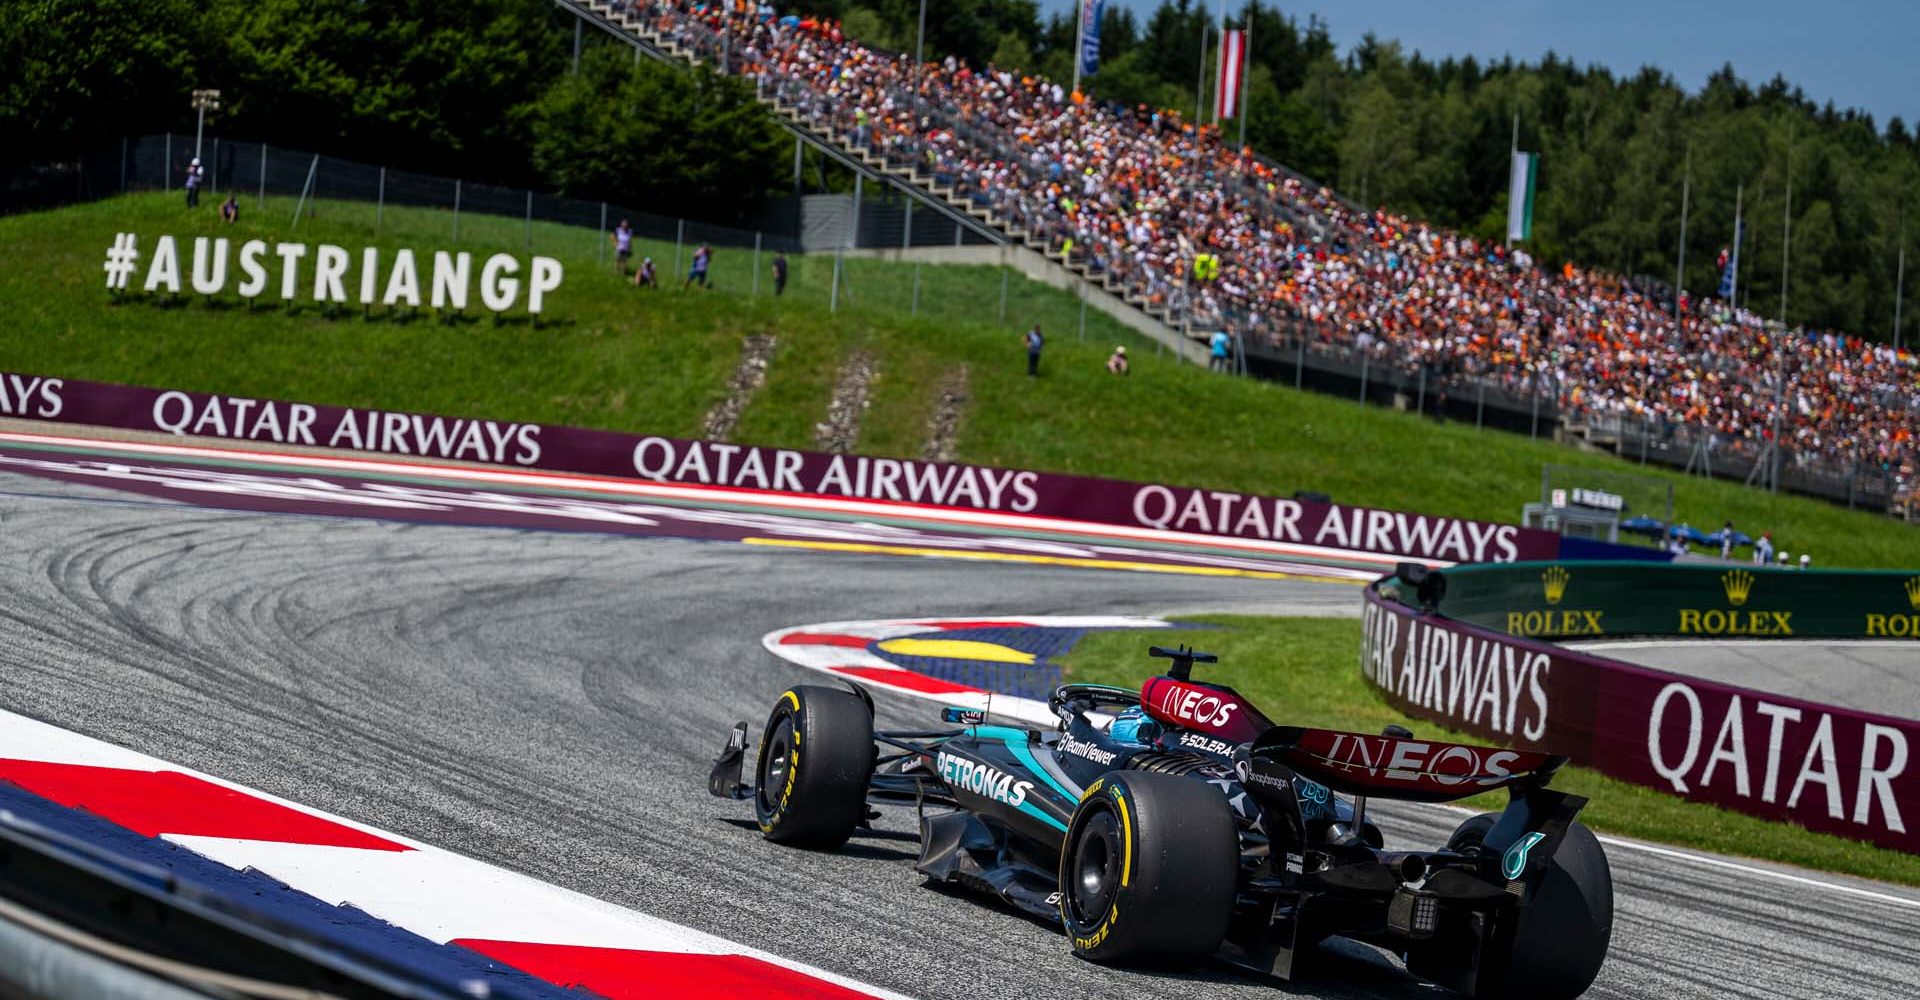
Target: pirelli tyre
{"x":816,"y":758}
{"x":1564,"y":933}
{"x":1148,"y":869}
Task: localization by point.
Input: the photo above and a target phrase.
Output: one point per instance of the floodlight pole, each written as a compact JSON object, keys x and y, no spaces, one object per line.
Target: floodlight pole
{"x":203,"y":102}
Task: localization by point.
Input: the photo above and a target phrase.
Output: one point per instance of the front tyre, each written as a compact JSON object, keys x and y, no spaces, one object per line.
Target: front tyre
{"x":1148,"y":869}
{"x":816,"y":758}
{"x":1563,"y":935}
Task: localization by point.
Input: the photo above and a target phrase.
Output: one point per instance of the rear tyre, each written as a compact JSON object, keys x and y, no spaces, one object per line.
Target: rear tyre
{"x":1563,"y":935}
{"x":816,"y":758}
{"x":1148,"y":869}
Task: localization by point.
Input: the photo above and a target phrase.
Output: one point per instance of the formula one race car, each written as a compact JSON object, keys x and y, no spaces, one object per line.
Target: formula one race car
{"x":1179,"y":823}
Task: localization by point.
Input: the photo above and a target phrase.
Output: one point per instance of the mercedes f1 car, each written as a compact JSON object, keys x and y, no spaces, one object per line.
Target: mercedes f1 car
{"x":1177,"y":823}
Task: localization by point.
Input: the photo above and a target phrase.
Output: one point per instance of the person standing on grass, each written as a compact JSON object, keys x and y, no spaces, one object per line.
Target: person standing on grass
{"x":1219,"y":344}
{"x":1726,"y":541}
{"x":779,"y":271}
{"x":1034,"y":343}
{"x":193,"y":183}
{"x":1763,"y":549}
{"x":622,"y":245}
{"x":701,"y":258}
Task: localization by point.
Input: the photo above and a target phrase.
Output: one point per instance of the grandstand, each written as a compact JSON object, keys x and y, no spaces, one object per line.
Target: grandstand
{"x":1128,"y":199}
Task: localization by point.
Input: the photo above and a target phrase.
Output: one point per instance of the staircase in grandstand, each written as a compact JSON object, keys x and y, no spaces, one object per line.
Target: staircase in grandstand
{"x":814,"y":118}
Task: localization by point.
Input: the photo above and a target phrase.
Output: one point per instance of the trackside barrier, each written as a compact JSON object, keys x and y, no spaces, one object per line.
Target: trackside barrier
{"x":784,"y":470}
{"x":1826,"y":768}
{"x":1560,"y":601}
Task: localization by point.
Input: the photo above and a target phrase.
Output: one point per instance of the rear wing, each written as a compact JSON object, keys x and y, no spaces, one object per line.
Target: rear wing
{"x":1399,"y":768}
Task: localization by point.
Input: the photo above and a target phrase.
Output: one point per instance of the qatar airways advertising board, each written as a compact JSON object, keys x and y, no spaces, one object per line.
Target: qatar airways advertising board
{"x":709,"y":463}
{"x":1825,"y":768}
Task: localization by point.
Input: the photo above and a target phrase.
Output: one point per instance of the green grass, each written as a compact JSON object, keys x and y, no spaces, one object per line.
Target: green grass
{"x":1306,"y":671}
{"x":614,"y":357}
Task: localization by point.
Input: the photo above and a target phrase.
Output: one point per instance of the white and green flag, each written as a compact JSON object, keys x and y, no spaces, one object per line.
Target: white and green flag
{"x":1526,"y":170}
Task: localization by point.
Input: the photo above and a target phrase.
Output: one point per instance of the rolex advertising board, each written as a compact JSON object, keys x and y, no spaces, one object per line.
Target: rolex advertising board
{"x":1587,"y":599}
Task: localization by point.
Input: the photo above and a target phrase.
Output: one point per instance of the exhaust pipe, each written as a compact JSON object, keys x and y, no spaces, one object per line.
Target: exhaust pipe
{"x":1406,"y":867}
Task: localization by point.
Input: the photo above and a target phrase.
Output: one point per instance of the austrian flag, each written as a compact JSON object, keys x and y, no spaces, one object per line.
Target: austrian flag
{"x":1231,"y":75}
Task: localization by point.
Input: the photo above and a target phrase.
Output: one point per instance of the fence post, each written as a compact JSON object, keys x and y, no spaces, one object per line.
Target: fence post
{"x":853,"y":232}
{"x":456,"y":211}
{"x":1364,"y":360}
{"x":600,"y":245}
{"x":957,"y":233}
{"x":380,"y":204}
{"x":263,"y":175}
{"x":756,"y":265}
{"x":1420,"y":405}
{"x":1533,"y":426}
{"x":312,"y":170}
{"x":166,"y":165}
{"x":915,"y":311}
{"x":1480,"y":408}
{"x":213,"y":176}
{"x":1083,"y":310}
{"x":1300,"y":363}
{"x":833,"y":296}
{"x":530,"y":204}
{"x":906,"y":234}
{"x":123,"y":164}
{"x":679,"y":235}
{"x":1003,"y":283}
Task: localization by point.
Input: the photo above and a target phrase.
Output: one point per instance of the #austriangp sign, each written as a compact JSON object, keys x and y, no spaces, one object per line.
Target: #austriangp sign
{"x":328,"y":275}
{"x":1826,"y":768}
{"x":709,"y":463}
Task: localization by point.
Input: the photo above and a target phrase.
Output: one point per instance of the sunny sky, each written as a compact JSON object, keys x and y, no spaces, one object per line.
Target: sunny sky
{"x":1862,"y":53}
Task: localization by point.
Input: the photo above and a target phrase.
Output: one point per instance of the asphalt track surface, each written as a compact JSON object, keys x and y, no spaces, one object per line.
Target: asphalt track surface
{"x":549,"y":702}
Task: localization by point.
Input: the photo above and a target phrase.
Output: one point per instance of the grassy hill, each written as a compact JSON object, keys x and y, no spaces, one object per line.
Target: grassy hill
{"x":608,"y":355}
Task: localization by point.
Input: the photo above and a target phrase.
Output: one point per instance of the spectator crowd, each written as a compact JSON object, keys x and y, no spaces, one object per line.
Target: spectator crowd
{"x":1223,"y":238}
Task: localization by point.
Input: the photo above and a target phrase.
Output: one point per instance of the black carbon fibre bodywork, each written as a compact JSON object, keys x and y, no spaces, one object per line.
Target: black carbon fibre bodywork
{"x":995,"y":803}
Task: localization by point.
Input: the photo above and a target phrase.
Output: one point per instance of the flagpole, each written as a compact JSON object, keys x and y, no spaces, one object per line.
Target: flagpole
{"x":1513,"y":151}
{"x":1246,"y":68}
{"x":1900,"y":281}
{"x":1219,"y":64}
{"x":1680,"y":270}
{"x":1733,"y":287}
{"x":1079,"y":41}
{"x":1200,"y":85}
{"x":1786,"y":240}
{"x":1779,"y":340}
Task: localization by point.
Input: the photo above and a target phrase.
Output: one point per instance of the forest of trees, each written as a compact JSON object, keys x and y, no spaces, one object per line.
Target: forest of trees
{"x":483,"y":89}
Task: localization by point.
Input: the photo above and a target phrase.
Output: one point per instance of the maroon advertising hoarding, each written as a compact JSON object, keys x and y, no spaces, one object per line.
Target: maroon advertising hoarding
{"x":674,"y":460}
{"x":1826,"y":768}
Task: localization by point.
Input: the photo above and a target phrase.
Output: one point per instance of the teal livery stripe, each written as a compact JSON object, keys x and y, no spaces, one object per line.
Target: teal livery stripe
{"x":1016,"y":741}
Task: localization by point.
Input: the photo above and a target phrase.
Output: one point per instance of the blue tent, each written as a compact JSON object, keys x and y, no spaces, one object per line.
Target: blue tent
{"x":1740,"y":538}
{"x":1690,"y":533}
{"x":1641,"y":524}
